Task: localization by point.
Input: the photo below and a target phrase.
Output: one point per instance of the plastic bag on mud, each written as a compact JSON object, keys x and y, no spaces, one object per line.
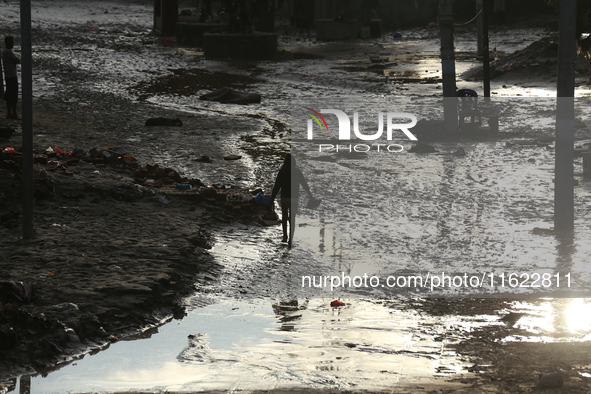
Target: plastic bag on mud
{"x":262,"y":199}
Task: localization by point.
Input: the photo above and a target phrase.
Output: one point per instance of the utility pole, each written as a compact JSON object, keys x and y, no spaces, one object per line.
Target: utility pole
{"x":485,"y":50}
{"x":479,"y":26}
{"x":448,"y":66}
{"x":565,"y":114}
{"x":27,"y":118}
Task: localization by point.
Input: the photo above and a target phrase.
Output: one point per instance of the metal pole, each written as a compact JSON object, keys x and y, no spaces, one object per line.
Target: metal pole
{"x":27,"y":118}
{"x":565,"y":113}
{"x":479,"y":27}
{"x":448,"y":66}
{"x":485,"y":50}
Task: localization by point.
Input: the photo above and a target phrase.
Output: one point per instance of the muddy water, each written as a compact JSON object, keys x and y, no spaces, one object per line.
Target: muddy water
{"x":245,"y":345}
{"x":241,"y":345}
{"x":474,"y":213}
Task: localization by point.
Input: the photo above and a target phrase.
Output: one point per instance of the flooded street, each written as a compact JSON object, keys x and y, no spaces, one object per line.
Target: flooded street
{"x":252,"y":324}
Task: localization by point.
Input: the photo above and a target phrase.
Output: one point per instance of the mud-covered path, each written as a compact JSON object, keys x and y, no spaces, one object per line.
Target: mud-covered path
{"x":100,"y":73}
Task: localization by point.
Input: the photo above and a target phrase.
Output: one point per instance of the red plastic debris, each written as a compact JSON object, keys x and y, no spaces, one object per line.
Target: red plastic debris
{"x":337,"y":303}
{"x":57,"y":150}
{"x":8,"y":150}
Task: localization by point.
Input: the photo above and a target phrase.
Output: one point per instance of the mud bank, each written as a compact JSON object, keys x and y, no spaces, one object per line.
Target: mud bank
{"x":105,"y":262}
{"x":126,"y":264}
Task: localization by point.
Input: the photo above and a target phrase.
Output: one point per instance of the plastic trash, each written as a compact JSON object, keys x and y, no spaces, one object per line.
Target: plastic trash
{"x":262,"y":199}
{"x":164,"y":200}
{"x":183,"y":186}
{"x":8,"y":150}
{"x":337,"y":303}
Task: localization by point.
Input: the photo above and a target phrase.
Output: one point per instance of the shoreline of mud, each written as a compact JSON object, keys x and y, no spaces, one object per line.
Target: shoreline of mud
{"x":128,"y":264}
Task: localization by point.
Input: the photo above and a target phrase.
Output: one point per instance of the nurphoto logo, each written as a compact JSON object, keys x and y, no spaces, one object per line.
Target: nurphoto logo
{"x":344,"y":132}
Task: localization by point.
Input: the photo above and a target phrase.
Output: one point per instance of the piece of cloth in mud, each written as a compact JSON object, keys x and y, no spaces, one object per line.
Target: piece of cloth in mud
{"x":230,"y":96}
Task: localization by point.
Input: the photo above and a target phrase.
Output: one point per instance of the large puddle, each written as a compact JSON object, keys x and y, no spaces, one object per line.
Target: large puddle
{"x":234,"y":345}
{"x":245,"y":330}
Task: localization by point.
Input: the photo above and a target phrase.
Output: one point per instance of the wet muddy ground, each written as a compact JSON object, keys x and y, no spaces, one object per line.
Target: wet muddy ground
{"x":101,"y":73}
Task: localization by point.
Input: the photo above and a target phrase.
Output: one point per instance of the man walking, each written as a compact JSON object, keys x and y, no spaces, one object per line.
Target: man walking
{"x":9,"y":61}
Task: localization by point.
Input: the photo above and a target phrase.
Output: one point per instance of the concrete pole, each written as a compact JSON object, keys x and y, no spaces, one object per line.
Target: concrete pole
{"x":485,"y":50}
{"x":479,"y":27}
{"x":565,"y":112}
{"x":27,"y":118}
{"x":448,"y":66}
